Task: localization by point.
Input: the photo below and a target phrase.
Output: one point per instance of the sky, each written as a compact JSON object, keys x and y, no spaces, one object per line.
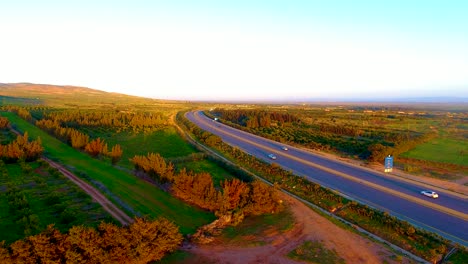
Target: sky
{"x":240,"y":50}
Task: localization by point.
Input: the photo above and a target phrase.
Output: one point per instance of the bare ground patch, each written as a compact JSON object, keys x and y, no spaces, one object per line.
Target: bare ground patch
{"x":309,"y":226}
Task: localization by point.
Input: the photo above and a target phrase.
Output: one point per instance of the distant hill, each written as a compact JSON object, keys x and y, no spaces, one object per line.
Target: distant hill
{"x":66,"y":96}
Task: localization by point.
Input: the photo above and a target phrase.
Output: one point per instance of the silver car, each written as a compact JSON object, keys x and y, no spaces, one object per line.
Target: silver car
{"x":430,"y":194}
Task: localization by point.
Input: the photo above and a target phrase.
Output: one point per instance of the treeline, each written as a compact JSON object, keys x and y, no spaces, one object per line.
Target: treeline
{"x":22,"y":149}
{"x":75,"y":138}
{"x":234,"y":197}
{"x":81,"y":141}
{"x":255,"y":118}
{"x":381,"y":223}
{"x":378,"y":152}
{"x":119,"y":120}
{"x":142,"y":241}
{"x":20,"y":111}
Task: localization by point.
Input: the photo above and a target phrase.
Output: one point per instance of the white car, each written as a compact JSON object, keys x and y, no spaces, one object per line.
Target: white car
{"x":430,"y":194}
{"x":284,"y":148}
{"x":272,"y":156}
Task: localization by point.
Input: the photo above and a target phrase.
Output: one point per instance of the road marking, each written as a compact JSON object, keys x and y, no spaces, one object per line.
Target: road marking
{"x":437,"y":207}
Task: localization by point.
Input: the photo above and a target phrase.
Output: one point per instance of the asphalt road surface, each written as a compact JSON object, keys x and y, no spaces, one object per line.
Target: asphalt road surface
{"x":446,"y":216}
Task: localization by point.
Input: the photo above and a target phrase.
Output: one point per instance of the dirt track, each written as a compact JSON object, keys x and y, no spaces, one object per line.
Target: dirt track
{"x":350,"y":246}
{"x":113,"y":210}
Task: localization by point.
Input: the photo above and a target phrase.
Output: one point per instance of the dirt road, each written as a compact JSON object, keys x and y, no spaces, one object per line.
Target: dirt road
{"x":113,"y":210}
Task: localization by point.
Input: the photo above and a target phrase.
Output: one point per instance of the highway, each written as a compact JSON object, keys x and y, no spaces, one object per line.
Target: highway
{"x":446,"y":216}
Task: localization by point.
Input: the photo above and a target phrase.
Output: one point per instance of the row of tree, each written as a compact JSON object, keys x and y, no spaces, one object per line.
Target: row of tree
{"x":20,"y":111}
{"x":21,"y":148}
{"x":255,"y":118}
{"x":109,"y":119}
{"x":78,"y":140}
{"x":197,"y":188}
{"x":143,"y":241}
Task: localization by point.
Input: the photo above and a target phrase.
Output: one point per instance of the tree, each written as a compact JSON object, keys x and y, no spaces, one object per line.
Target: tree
{"x":84,"y":246}
{"x":151,"y":240}
{"x":21,"y":148}
{"x":78,"y":140}
{"x":96,"y":147}
{"x":4,"y":122}
{"x":116,"y":154}
{"x":234,"y":195}
{"x":263,"y":199}
{"x":154,"y":165}
{"x":115,"y":241}
{"x":4,"y":254}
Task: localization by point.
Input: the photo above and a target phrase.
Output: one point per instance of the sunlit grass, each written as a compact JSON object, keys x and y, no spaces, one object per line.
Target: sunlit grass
{"x":441,"y":150}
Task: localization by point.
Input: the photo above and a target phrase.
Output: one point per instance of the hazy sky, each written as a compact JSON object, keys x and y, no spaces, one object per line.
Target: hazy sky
{"x":238,"y":49}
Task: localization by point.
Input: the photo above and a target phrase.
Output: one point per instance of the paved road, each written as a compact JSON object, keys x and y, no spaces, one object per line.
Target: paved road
{"x":447,"y":216}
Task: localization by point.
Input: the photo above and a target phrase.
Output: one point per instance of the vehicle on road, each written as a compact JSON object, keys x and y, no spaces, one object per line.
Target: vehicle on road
{"x":431,"y":194}
{"x":284,"y":148}
{"x":272,"y":156}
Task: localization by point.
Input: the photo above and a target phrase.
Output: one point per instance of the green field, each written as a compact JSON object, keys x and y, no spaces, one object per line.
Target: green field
{"x":217,"y":173}
{"x":168,"y":144}
{"x":441,"y":150}
{"x":123,"y":188}
{"x":165,"y":142}
{"x":50,"y":196}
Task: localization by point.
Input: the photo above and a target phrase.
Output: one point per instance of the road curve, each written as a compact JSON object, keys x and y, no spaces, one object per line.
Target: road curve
{"x":446,"y":216}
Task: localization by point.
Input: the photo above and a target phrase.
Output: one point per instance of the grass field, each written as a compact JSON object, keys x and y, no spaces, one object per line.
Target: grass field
{"x":165,"y":142}
{"x":217,"y":173}
{"x":441,"y":150}
{"x":50,"y":196}
{"x":123,"y":188}
{"x":169,"y":145}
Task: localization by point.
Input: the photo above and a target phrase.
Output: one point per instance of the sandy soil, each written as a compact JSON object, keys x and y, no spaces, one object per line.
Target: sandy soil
{"x":352,"y":247}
